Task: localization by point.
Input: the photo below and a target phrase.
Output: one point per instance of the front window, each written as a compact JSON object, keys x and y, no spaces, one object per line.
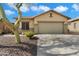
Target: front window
{"x":25,"y":25}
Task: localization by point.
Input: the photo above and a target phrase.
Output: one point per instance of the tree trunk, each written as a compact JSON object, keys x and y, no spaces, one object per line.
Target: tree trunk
{"x":13,"y":28}
{"x":17,"y":36}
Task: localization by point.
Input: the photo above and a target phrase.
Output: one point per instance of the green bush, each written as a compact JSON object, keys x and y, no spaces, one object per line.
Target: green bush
{"x":29,"y":34}
{"x":1,"y":32}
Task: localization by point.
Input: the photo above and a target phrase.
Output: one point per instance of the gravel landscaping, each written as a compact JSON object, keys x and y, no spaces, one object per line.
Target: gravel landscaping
{"x":8,"y":46}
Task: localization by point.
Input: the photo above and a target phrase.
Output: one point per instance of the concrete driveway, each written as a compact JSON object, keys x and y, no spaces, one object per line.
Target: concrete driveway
{"x":58,"y":45}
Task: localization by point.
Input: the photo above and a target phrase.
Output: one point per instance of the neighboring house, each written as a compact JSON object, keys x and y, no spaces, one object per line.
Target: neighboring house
{"x":4,"y":28}
{"x":47,"y":22}
{"x":73,"y":25}
{"x":1,"y":26}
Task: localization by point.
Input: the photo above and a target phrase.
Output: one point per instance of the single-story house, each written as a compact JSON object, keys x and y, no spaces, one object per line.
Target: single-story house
{"x":73,"y":25}
{"x":4,"y":28}
{"x":47,"y":22}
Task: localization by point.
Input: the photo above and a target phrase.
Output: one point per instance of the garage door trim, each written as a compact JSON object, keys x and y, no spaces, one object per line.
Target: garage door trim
{"x":50,"y":21}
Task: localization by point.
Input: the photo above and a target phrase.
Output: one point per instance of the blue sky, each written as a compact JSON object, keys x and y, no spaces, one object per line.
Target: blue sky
{"x":68,"y":9}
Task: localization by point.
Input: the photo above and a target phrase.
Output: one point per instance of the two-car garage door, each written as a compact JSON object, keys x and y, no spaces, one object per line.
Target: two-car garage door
{"x":50,"y":27}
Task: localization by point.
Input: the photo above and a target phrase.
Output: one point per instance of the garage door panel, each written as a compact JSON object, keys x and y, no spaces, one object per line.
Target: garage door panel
{"x":50,"y":27}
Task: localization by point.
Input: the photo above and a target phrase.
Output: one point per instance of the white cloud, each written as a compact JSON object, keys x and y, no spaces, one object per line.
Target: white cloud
{"x":34,"y":8}
{"x":9,"y":12}
{"x":39,"y":8}
{"x":76,"y":7}
{"x":44,"y":8}
{"x":61,"y":9}
{"x":12,"y":5}
{"x":24,"y":8}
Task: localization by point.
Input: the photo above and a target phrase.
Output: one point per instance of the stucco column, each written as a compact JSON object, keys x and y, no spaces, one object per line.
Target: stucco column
{"x":65,"y":28}
{"x":36,"y":27}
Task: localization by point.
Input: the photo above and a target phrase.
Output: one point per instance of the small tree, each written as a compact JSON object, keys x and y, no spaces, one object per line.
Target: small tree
{"x":13,"y":28}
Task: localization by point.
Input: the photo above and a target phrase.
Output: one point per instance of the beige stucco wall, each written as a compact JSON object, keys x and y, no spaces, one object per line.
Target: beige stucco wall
{"x":71,"y":26}
{"x":45,"y":17}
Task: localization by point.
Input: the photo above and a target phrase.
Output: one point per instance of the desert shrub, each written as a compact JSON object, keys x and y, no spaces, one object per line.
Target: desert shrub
{"x":12,"y":33}
{"x":29,"y":34}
